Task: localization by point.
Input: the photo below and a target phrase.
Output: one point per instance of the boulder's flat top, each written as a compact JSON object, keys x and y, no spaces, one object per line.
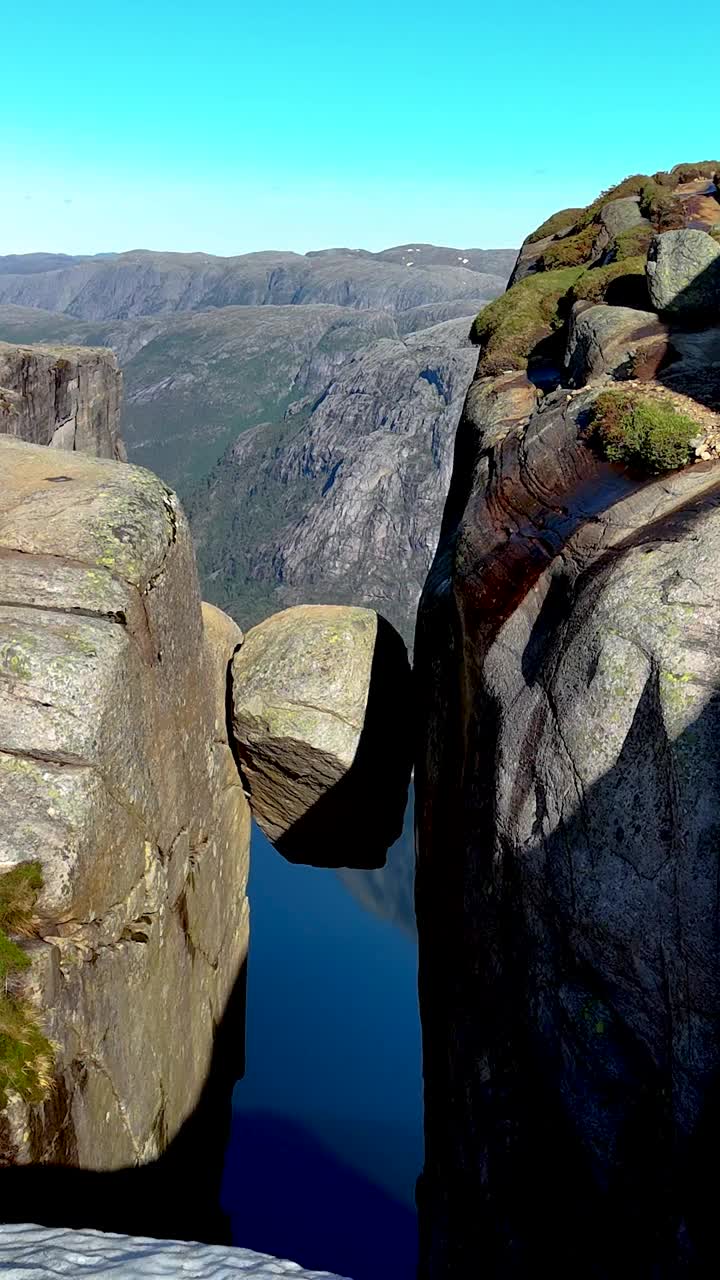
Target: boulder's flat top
{"x":39,"y":1253}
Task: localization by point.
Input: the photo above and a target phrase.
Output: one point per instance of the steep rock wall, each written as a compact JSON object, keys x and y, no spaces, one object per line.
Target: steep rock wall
{"x":117,"y":779}
{"x":65,"y":397}
{"x":568,"y":812}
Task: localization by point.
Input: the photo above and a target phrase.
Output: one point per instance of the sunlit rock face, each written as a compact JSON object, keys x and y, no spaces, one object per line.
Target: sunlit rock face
{"x":322,"y":727}
{"x":117,"y":779}
{"x":64,"y":397}
{"x":568,"y":812}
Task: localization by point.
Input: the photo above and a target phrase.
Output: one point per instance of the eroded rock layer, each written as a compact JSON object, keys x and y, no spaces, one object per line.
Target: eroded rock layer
{"x":567,"y":801}
{"x":117,"y":780}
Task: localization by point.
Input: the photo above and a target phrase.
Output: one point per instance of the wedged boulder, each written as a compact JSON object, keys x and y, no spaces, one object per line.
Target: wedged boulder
{"x":118,"y":780}
{"x":323,"y":732}
{"x":683,"y":273}
{"x":64,"y":397}
{"x":614,"y":340}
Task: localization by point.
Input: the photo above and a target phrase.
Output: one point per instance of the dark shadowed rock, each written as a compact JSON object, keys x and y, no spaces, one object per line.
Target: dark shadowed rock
{"x":321,"y":720}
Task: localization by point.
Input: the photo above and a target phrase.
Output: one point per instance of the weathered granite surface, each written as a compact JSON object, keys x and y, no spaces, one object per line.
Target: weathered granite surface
{"x":567,"y":812}
{"x":39,"y":1253}
{"x":117,"y":777}
{"x":65,"y":397}
{"x":321,"y":721}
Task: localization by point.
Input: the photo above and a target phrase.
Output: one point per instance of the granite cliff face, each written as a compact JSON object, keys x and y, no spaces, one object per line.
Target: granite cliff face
{"x":343,"y":500}
{"x":567,"y":806}
{"x":65,"y":397}
{"x":119,"y":785}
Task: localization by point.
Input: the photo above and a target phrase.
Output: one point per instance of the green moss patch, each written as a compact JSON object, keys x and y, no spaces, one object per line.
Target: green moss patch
{"x":647,"y":434}
{"x":688,"y":172}
{"x":572,"y":251}
{"x":553,"y":226}
{"x":658,"y":205}
{"x":25,"y":1054}
{"x":509,"y":328}
{"x":633,"y":243}
{"x":620,"y":284}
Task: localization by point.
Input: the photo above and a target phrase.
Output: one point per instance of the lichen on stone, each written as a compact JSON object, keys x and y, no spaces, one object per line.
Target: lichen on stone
{"x":26,"y":1056}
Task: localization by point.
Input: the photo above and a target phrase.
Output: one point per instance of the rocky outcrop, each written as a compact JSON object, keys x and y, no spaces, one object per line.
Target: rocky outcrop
{"x":36,"y":1253}
{"x":567,"y":815}
{"x":65,"y":397}
{"x":321,"y":721}
{"x":684,"y":273}
{"x":118,"y":782}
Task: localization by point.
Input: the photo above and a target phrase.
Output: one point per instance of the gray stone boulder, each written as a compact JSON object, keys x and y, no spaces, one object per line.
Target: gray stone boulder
{"x":65,"y":397}
{"x":322,"y":728}
{"x":118,"y":780}
{"x":683,"y":272}
{"x":614,"y":340}
{"x":621,"y":215}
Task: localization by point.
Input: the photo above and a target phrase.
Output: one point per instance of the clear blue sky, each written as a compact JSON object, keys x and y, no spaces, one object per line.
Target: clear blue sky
{"x":229,"y":126}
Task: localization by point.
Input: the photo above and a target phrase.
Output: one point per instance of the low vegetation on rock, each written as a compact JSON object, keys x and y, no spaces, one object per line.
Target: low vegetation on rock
{"x":513,"y":324}
{"x":25,"y":1054}
{"x":555,"y":224}
{"x":644,"y":433}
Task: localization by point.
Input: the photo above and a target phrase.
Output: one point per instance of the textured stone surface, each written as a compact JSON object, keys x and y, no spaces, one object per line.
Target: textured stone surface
{"x":615,"y":340}
{"x":620,"y":215}
{"x":567,"y":812}
{"x":683,"y":272}
{"x":321,"y":724}
{"x":117,"y":776}
{"x":38,"y":1253}
{"x":65,"y":397}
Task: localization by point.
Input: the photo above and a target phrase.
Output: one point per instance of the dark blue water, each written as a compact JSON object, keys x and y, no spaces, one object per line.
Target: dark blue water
{"x":327,"y":1129}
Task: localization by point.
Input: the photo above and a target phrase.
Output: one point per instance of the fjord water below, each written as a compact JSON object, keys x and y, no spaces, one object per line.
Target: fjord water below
{"x":326,"y":1138}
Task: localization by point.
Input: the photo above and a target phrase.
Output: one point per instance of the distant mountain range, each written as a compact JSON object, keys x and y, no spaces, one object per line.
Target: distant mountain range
{"x":340,"y":364}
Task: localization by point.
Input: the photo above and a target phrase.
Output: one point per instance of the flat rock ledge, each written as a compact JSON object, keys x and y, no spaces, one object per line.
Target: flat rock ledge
{"x":42,"y":1253}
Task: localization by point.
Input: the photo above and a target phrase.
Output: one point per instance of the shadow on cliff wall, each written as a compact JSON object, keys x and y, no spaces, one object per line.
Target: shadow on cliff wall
{"x":176,"y":1196}
{"x":357,"y":820}
{"x":577,"y":1125}
{"x":289,"y":1195}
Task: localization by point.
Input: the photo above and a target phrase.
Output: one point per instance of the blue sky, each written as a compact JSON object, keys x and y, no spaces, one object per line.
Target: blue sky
{"x":228,"y":127}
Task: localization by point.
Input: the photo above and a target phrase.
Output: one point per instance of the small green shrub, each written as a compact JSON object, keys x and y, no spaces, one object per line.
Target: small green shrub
{"x":633,"y":243}
{"x":553,"y":226}
{"x":660,"y":207}
{"x":644,"y":433}
{"x":25,"y":1055}
{"x":19,"y":889}
{"x":620,"y":284}
{"x":573,"y":251}
{"x":703,"y":169}
{"x":510,"y":327}
{"x":665,"y":179}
